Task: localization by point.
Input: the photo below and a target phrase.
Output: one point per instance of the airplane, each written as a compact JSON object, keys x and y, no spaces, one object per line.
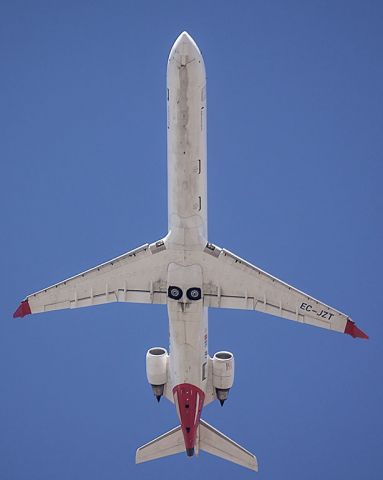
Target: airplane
{"x":189,"y":274}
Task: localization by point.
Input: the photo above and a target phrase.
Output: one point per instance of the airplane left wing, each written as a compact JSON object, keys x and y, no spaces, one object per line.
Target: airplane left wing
{"x":231,"y":282}
{"x":137,"y":276}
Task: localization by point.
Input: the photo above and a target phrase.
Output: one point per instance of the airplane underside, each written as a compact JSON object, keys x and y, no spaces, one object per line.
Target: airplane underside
{"x":189,"y":274}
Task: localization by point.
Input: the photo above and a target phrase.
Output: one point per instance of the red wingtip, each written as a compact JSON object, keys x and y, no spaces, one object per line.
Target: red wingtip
{"x":24,"y":309}
{"x":354,"y":331}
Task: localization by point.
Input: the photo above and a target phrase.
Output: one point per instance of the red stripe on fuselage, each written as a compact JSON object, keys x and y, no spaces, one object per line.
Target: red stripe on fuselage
{"x":189,"y":400}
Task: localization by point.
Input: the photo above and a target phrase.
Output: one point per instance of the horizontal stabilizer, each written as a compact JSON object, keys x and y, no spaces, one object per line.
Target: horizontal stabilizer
{"x":216,"y":443}
{"x":209,"y":439}
{"x":169,"y":443}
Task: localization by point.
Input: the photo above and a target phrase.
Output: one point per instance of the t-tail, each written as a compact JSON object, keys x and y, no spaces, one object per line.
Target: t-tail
{"x":207,"y":438}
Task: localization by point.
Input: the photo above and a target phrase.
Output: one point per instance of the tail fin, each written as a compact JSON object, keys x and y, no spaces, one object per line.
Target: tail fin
{"x":167,"y":444}
{"x":208,"y":439}
{"x":216,"y":443}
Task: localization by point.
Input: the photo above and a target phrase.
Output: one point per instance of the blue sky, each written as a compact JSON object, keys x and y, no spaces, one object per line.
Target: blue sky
{"x":295,"y":145}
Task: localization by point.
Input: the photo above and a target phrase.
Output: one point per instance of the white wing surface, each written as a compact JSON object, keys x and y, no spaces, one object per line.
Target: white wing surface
{"x":231,"y":282}
{"x":137,"y":276}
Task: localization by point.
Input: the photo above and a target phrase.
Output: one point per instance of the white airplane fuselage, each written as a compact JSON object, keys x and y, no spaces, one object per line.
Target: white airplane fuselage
{"x":187,"y":210}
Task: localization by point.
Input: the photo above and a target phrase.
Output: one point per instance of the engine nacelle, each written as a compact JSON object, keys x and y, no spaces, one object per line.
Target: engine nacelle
{"x":156,"y":369}
{"x":223,"y":374}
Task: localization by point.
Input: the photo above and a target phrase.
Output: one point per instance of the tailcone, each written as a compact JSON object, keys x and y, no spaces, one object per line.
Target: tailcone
{"x":190,"y":452}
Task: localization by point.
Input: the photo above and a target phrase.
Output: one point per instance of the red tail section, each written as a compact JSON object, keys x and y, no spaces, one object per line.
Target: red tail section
{"x":189,"y":401}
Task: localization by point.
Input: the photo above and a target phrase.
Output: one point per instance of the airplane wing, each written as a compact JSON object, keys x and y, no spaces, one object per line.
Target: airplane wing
{"x":231,"y":282}
{"x":137,"y":276}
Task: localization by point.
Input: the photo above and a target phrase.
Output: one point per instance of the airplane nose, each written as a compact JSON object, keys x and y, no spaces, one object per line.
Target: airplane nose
{"x":184,"y":49}
{"x":186,"y":40}
{"x":184,"y":36}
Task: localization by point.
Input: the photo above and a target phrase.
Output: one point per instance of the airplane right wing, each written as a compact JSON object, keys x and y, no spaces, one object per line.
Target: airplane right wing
{"x":138,"y":276}
{"x":231,"y":282}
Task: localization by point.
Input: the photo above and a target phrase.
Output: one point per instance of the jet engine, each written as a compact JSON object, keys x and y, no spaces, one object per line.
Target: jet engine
{"x":223,"y":374}
{"x":156,"y":369}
